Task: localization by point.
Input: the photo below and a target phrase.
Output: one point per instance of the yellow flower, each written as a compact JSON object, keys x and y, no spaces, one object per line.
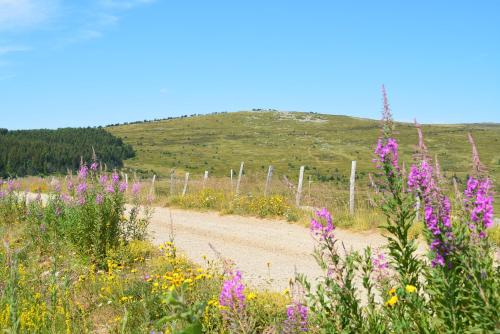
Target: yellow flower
{"x":213,"y":302}
{"x":410,"y":289}
{"x":392,"y":291}
{"x":251,"y":296}
{"x":392,"y":301}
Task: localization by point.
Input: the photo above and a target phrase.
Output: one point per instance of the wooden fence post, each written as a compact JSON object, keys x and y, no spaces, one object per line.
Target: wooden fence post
{"x":185,"y":184}
{"x":205,"y":178}
{"x":151,"y":191}
{"x":172,"y":180}
{"x":351,"y":188}
{"x":309,"y":188}
{"x":268,"y":179}
{"x":239,"y":179}
{"x":299,"y":186}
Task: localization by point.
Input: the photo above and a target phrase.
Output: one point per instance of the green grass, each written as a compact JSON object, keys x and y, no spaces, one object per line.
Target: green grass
{"x":325,"y":144}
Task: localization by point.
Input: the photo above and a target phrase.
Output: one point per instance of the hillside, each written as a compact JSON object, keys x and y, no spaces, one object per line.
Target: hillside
{"x":325,"y":144}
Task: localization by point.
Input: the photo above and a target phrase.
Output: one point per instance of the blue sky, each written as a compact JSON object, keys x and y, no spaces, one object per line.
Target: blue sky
{"x":95,"y":62}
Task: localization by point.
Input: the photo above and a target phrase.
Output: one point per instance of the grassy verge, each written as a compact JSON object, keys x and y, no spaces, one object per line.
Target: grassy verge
{"x":49,"y":286}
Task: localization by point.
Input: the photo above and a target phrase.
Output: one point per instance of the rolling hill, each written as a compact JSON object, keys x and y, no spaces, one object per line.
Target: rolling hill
{"x":325,"y":144}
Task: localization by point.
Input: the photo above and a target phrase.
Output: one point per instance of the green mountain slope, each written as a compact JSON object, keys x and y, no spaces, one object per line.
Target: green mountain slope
{"x":325,"y":144}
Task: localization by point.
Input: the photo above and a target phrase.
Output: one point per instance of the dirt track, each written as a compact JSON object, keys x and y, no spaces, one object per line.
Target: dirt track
{"x":250,"y":242}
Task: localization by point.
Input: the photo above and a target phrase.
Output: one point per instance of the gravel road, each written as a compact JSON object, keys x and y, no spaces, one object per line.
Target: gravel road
{"x":251,"y":243}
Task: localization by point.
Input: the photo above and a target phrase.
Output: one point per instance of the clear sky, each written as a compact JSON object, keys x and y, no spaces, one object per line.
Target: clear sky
{"x":95,"y":62}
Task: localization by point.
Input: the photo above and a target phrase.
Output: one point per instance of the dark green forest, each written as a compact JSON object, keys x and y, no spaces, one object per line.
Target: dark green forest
{"x":43,"y":152}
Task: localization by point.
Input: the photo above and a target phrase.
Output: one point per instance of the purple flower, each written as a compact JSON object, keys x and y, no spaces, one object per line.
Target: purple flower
{"x":81,"y":200}
{"x":65,"y":198}
{"x":323,"y":229}
{"x":81,"y":188}
{"x":115,"y":178}
{"x":94,"y":166}
{"x":82,"y":173}
{"x":103,"y":179}
{"x":231,"y":295}
{"x":297,"y":319}
{"x":380,"y":262}
{"x":424,"y":179}
{"x":70,"y":185}
{"x":10,"y":186}
{"x":387,"y":152}
{"x":110,"y":189}
{"x":123,"y":187}
{"x":136,"y":187}
{"x":479,"y":203}
{"x":99,"y":199}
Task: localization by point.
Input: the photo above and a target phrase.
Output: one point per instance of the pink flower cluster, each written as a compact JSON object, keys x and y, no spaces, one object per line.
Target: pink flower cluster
{"x":297,"y":319}
{"x":436,"y":208}
{"x":323,"y":227}
{"x":387,"y":152}
{"x":479,"y":204}
{"x":82,"y":173}
{"x":380,"y":266}
{"x":232,"y":293}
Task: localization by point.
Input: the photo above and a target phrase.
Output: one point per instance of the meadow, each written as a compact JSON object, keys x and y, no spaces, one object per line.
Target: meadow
{"x":79,"y":262}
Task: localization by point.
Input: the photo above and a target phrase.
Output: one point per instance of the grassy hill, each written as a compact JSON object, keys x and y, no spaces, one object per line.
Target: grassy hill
{"x":325,"y":144}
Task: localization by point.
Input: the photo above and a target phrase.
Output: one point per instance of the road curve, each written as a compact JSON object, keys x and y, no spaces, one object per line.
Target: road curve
{"x":251,"y":243}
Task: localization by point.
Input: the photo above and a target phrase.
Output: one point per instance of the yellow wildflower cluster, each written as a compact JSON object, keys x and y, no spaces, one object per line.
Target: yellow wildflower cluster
{"x":272,"y":206}
{"x":175,"y":278}
{"x":393,"y":297}
{"x":410,"y":288}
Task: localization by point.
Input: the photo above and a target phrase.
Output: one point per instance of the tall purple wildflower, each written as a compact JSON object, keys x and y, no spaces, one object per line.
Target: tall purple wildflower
{"x":478,"y":197}
{"x":94,"y":166}
{"x":136,"y":187}
{"x":122,"y":187}
{"x":110,"y":189}
{"x":423,"y":180}
{"x":82,"y":173}
{"x":387,"y":152}
{"x":115,"y":178}
{"x":11,"y":186}
{"x":81,"y":188}
{"x":232,"y":294}
{"x":297,"y":319}
{"x":70,"y":186}
{"x":322,"y":227}
{"x":99,"y":199}
{"x":380,"y":263}
{"x":103,"y":179}
{"x":387,"y":147}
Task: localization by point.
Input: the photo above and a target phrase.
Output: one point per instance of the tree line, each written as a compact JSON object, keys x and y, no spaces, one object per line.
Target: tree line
{"x":43,"y":152}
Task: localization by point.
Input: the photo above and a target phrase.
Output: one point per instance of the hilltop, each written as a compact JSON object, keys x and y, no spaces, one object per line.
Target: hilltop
{"x":325,"y":144}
